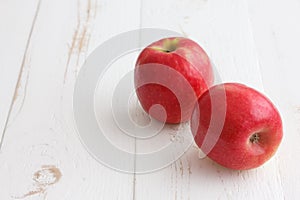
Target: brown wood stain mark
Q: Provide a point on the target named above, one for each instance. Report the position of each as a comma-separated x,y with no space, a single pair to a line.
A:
189,176
81,36
25,57
25,91
182,177
20,72
85,34
43,178
48,175
172,177
83,42
18,89
25,62
74,41
31,193
189,169
16,95
181,168
175,183
72,47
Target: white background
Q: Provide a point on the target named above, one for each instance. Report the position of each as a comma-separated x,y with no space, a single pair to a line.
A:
43,44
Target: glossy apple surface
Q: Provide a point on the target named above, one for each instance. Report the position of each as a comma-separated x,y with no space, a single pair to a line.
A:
173,73
252,128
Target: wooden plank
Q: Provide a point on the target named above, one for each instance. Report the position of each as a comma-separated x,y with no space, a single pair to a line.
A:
16,23
223,29
276,36
42,156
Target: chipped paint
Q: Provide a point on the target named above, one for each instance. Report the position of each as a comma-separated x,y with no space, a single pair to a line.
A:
43,178
31,193
48,175
82,34
19,88
16,92
175,183
181,167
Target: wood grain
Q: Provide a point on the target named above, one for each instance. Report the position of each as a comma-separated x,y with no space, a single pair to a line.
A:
42,133
229,41
43,47
278,45
17,22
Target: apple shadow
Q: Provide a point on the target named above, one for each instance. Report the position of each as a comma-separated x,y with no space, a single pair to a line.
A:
200,167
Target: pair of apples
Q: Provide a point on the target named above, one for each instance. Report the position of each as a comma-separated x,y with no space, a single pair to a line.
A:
234,125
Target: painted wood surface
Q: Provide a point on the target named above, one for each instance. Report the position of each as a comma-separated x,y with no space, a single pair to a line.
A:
44,44
223,28
17,20
277,45
41,156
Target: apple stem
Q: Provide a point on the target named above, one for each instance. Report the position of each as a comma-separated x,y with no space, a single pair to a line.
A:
170,45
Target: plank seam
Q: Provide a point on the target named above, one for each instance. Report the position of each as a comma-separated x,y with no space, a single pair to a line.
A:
250,24
20,72
135,146
261,79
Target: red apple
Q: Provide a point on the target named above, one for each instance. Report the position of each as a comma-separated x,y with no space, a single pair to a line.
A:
172,72
252,128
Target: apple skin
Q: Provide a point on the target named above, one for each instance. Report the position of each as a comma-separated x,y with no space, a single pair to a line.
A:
185,57
252,128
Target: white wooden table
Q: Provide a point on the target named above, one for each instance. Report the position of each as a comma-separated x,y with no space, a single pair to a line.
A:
43,44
